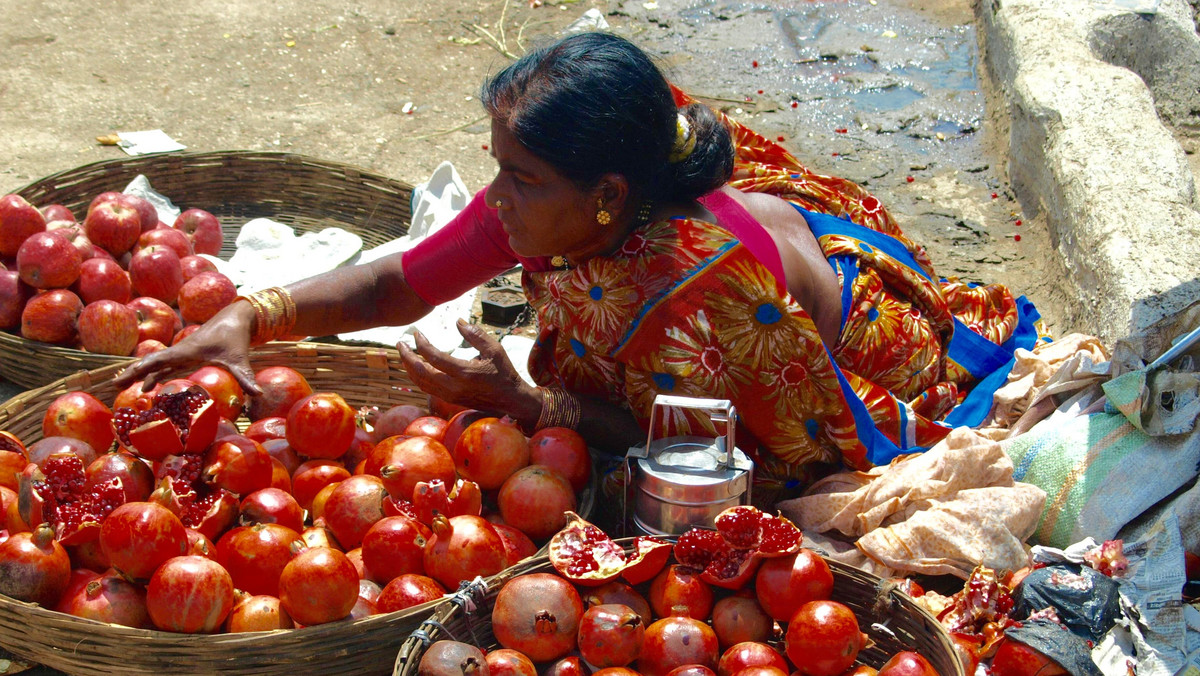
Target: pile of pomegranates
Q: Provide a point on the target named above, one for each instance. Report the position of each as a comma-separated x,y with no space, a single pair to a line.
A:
116,280
156,510
663,610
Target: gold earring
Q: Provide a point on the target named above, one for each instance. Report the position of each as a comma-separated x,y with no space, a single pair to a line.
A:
602,215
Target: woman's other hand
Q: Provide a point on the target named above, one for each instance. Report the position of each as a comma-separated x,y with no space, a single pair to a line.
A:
488,382
223,341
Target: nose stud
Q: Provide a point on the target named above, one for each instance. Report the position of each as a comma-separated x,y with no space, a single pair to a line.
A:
499,204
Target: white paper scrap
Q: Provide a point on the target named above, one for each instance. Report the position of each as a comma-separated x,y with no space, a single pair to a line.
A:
146,142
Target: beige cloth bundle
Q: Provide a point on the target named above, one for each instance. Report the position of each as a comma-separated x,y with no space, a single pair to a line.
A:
944,511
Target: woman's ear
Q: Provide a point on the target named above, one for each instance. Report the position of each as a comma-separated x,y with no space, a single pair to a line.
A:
613,191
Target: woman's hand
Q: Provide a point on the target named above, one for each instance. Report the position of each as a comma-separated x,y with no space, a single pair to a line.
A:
488,382
223,341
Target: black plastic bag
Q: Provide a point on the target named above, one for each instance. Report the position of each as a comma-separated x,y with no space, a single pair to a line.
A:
1061,645
1085,600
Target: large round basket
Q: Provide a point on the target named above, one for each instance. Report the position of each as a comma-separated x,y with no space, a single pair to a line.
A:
889,617
364,376
302,192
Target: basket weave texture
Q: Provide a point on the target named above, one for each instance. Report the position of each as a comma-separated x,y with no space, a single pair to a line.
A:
908,626
363,376
235,186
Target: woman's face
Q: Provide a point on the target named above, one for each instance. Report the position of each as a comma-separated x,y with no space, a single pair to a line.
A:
543,213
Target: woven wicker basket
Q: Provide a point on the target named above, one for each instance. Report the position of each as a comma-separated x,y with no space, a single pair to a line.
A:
363,376
235,186
908,626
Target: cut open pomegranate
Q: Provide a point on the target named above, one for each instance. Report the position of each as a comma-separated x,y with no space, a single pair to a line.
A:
584,554
729,556
58,494
649,556
181,489
177,423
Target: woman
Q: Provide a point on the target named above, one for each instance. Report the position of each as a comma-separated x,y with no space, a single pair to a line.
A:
665,249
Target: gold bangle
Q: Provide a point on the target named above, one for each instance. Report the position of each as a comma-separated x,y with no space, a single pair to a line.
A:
274,314
559,409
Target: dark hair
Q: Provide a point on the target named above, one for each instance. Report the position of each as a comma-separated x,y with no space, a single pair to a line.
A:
594,103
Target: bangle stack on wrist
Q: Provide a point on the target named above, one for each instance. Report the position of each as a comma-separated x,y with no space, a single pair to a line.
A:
274,314
559,409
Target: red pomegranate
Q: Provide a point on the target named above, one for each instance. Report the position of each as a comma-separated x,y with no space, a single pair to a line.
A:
319,585
282,386
408,590
313,475
786,583
675,641
620,593
57,494
237,464
257,613
89,555
394,546
82,416
565,451
692,670
255,556
567,666
138,537
402,462
490,450
739,618
508,662
749,654
227,395
430,426
265,429
1014,658
458,422
321,425
34,567
178,422
452,658
910,663
353,507
432,497
823,638
46,447
393,421
680,586
648,558
517,545
610,635
109,598
744,536
535,499
137,479
200,545
189,595
537,614
584,554
272,505
199,505
461,548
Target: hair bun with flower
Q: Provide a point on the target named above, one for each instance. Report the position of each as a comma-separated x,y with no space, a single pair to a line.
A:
685,140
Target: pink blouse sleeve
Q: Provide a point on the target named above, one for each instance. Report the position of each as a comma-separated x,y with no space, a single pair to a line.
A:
466,252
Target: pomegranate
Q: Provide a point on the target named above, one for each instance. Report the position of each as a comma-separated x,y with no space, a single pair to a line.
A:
358,451
392,421
34,567
319,585
355,556
649,557
1014,658
272,505
227,395
430,426
408,590
58,494
508,662
237,464
89,555
257,613
282,386
321,425
137,479
730,556
517,545
109,598
490,450
749,654
135,397
138,537
610,635
403,462
317,510
313,475
621,593
274,427
369,590
616,671
182,489
692,670
567,666
189,595
786,583
256,555
353,507
82,416
675,641
536,499
678,586
317,535
461,548
431,497
458,422
823,638
537,614
909,663
452,658
565,451
739,618
46,447
199,544
584,554
394,546
176,423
